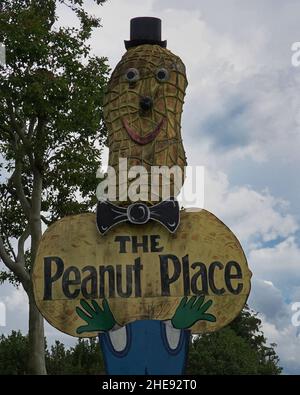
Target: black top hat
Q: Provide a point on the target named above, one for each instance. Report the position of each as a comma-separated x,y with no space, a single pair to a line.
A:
145,30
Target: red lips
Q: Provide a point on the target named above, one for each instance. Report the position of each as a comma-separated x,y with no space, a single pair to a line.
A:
145,139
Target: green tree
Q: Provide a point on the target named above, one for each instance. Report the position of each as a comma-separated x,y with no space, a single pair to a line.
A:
58,359
237,349
84,358
51,134
14,353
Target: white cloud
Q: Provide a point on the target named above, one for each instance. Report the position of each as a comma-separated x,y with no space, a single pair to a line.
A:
288,345
255,217
268,300
276,286
17,300
280,265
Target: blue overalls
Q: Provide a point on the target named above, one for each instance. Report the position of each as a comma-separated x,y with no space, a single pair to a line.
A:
147,351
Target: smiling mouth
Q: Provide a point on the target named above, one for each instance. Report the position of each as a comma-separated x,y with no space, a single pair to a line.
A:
143,140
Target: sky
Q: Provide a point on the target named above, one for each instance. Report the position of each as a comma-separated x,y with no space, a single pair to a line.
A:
241,121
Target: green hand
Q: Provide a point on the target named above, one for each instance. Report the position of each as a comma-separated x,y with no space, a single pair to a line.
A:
97,318
189,312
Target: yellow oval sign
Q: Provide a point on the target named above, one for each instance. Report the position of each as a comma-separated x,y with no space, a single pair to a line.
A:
143,271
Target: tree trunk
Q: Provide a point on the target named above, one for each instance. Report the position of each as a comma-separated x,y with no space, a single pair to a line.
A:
36,362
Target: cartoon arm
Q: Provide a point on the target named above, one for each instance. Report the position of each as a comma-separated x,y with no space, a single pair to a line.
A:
98,319
189,312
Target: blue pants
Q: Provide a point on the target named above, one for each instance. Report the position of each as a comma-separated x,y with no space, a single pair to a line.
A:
147,351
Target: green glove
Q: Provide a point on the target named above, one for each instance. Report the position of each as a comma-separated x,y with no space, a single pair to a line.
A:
97,319
189,312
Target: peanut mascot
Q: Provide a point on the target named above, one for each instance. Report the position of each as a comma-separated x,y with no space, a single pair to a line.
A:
142,110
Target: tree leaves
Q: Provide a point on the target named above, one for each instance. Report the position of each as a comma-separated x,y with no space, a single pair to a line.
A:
240,348
84,358
51,122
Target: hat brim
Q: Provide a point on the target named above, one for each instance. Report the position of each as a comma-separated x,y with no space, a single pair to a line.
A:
135,43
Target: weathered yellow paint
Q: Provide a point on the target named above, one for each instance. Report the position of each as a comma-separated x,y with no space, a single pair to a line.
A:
200,235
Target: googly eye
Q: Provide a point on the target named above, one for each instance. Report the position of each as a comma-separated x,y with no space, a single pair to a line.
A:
132,75
162,75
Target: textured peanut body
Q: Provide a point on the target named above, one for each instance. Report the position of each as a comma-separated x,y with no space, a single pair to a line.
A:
122,103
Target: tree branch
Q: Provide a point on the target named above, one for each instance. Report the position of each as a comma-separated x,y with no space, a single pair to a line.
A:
45,220
35,212
17,180
21,243
31,128
14,123
18,270
11,250
36,196
8,262
21,130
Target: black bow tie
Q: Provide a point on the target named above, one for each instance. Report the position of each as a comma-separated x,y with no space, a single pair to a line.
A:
166,213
